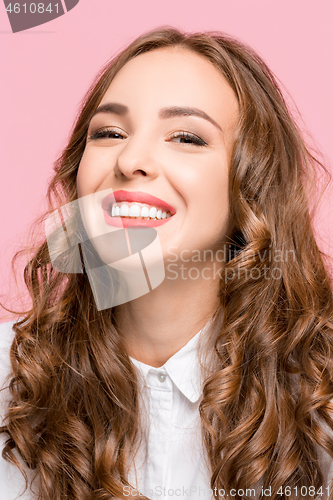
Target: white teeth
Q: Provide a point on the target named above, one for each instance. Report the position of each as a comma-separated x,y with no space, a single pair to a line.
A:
144,212
152,212
138,211
135,211
124,210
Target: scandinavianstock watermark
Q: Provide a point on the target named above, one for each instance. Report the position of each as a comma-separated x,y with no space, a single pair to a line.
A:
190,265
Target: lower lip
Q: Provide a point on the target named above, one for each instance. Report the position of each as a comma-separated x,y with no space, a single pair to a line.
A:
127,221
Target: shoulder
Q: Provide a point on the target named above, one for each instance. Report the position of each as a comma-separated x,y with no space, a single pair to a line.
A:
6,339
6,334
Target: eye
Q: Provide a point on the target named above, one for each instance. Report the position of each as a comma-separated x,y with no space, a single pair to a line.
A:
187,138
107,134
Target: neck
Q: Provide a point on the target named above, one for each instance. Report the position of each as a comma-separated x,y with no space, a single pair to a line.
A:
157,325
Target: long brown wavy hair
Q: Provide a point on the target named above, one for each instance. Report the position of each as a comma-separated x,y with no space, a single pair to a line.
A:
265,411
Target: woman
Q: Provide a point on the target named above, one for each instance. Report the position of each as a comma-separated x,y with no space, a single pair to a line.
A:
217,380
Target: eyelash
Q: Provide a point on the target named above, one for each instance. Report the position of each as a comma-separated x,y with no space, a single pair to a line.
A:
186,135
197,141
101,134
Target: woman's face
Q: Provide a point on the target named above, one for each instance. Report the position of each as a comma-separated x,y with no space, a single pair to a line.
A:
168,132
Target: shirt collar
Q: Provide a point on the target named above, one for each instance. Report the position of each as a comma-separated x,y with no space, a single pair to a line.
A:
183,368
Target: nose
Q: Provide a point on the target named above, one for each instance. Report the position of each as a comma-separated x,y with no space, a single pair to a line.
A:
136,159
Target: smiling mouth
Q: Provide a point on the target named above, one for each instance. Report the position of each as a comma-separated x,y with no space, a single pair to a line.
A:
135,210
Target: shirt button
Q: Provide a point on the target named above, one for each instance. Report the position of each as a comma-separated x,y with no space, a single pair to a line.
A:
161,377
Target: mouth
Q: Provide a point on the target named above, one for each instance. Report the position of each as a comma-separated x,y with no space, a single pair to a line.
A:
129,208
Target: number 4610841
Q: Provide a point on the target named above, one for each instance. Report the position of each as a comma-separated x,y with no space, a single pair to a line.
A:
32,8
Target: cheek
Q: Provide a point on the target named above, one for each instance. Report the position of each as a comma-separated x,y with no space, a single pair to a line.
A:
219,200
90,173
211,201
208,188
82,180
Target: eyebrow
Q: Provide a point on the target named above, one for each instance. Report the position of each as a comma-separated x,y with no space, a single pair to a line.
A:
112,107
164,113
185,111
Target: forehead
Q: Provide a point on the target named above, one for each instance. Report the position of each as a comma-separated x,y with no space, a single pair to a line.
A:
170,77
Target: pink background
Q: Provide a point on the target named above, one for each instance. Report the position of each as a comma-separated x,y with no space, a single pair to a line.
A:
48,69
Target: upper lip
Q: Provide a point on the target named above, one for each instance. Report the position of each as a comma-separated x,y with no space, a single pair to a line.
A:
139,196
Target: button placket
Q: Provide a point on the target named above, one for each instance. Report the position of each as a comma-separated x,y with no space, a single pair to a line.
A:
161,397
